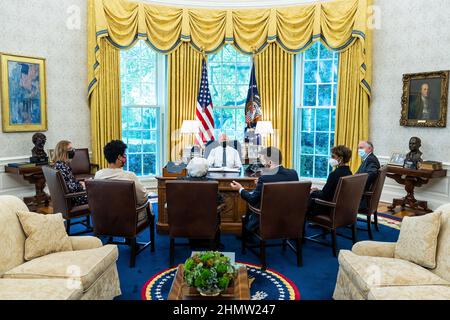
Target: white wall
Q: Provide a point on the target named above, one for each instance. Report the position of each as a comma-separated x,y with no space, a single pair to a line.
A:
39,28
414,37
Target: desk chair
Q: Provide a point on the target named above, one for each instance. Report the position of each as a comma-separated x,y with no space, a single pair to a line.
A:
62,200
115,213
192,212
343,210
372,198
81,165
281,216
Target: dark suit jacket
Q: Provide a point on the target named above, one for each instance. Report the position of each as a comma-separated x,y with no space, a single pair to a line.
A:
370,165
279,175
327,193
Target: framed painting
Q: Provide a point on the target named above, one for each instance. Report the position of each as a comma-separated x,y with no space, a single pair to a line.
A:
425,99
23,93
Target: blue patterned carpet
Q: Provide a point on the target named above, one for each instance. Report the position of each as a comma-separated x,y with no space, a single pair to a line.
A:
314,281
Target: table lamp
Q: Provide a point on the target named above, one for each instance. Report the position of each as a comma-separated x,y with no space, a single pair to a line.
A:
264,128
189,127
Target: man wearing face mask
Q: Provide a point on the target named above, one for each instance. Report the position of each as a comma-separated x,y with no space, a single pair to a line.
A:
115,155
370,163
273,172
224,155
340,156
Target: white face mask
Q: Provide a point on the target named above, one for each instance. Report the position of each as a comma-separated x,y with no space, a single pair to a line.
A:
362,153
333,162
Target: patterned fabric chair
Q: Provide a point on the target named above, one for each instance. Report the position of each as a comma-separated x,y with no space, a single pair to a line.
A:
47,277
371,272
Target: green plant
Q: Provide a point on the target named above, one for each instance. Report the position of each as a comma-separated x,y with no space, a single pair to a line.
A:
209,271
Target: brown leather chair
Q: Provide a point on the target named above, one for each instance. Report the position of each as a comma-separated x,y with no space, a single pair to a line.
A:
192,212
62,200
282,216
343,210
373,198
115,213
81,165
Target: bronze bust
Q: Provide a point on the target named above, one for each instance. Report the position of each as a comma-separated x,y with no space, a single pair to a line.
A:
415,155
38,155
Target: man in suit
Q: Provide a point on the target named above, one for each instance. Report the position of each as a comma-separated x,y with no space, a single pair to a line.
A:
274,172
224,155
369,165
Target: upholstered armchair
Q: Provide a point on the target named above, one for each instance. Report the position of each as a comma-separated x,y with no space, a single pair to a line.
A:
371,270
89,272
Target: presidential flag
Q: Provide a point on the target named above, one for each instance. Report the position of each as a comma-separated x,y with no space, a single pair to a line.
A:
253,104
204,112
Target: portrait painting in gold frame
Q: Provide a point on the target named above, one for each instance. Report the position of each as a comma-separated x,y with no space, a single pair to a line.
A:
425,99
23,93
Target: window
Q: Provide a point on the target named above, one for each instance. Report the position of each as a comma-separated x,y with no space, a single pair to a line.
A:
229,77
142,79
315,101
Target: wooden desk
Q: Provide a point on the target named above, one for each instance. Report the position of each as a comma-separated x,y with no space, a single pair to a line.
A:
240,290
411,178
234,208
33,175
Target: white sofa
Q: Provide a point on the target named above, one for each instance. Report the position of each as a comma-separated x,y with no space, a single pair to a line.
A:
87,272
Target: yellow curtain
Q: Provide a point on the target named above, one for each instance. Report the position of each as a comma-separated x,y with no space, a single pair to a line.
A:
338,24
105,102
184,81
274,76
352,117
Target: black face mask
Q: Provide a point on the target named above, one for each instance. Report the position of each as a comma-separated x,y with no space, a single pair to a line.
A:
224,144
71,154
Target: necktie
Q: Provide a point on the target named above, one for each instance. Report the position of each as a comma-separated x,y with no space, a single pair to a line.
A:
224,157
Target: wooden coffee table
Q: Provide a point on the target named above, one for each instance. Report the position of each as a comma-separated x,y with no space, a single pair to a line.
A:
239,290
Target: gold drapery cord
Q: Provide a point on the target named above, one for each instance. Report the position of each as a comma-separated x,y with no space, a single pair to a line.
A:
184,80
105,103
352,111
274,76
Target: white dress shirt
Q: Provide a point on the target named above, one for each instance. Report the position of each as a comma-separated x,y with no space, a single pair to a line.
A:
216,156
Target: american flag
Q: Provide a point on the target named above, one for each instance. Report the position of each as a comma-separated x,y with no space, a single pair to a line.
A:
204,112
253,104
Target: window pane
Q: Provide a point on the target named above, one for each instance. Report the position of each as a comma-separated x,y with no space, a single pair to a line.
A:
325,71
308,120
322,119
229,54
215,94
306,166
321,167
325,95
135,141
243,74
135,163
307,143
228,95
149,164
312,52
335,89
333,119
321,146
335,70
242,91
311,72
228,73
309,95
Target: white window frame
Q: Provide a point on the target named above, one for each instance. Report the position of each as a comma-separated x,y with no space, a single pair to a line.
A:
298,108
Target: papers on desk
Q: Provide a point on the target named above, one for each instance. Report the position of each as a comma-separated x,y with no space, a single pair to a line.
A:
224,169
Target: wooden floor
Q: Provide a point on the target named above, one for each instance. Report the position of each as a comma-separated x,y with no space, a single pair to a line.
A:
381,208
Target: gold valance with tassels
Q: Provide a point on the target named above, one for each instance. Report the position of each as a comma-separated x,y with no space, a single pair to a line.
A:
338,24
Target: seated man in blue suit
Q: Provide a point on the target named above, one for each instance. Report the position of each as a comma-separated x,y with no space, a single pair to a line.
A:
273,172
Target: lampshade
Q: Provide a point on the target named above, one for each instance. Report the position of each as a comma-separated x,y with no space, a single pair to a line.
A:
190,126
264,127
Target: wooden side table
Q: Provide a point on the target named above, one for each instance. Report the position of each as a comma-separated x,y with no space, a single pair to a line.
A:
239,291
35,176
411,179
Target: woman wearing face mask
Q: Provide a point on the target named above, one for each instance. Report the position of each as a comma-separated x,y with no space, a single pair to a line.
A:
64,153
340,156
